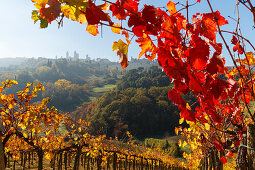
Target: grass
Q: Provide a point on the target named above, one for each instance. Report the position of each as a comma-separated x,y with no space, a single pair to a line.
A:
105,88
92,98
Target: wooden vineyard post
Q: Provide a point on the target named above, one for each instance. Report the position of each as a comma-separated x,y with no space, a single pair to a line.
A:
241,161
134,163
99,161
29,159
60,162
210,166
69,159
40,159
77,159
2,162
151,165
21,158
7,164
65,160
120,164
84,160
24,160
14,164
81,159
52,162
108,163
251,146
114,161
141,163
32,159
129,165
126,162
88,163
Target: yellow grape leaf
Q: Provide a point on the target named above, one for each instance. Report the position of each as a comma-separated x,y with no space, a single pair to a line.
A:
49,155
187,106
25,135
92,29
4,97
207,126
121,46
122,52
10,106
181,121
35,16
116,28
69,12
184,143
22,126
171,7
180,143
47,132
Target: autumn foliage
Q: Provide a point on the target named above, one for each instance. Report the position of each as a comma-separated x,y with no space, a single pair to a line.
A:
190,55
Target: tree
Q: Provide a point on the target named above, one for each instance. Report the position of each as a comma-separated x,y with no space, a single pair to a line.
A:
190,56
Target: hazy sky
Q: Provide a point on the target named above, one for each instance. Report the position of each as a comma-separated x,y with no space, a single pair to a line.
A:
20,37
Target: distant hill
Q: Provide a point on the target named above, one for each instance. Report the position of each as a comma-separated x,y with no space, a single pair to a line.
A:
69,81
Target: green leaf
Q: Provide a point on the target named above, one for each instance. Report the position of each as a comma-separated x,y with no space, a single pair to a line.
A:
44,23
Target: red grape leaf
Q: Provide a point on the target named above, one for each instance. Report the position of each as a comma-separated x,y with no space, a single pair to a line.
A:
176,98
218,146
223,160
95,14
188,115
51,12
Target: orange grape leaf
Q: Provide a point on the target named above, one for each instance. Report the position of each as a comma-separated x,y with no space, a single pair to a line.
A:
116,28
147,45
39,3
82,18
92,29
104,6
171,8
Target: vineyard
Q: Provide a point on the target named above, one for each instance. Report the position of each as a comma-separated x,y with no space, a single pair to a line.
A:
34,139
76,159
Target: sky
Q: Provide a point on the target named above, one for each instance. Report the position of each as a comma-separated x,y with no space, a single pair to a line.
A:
20,37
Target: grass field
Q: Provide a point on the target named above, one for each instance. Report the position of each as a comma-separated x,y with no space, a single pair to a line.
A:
105,88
